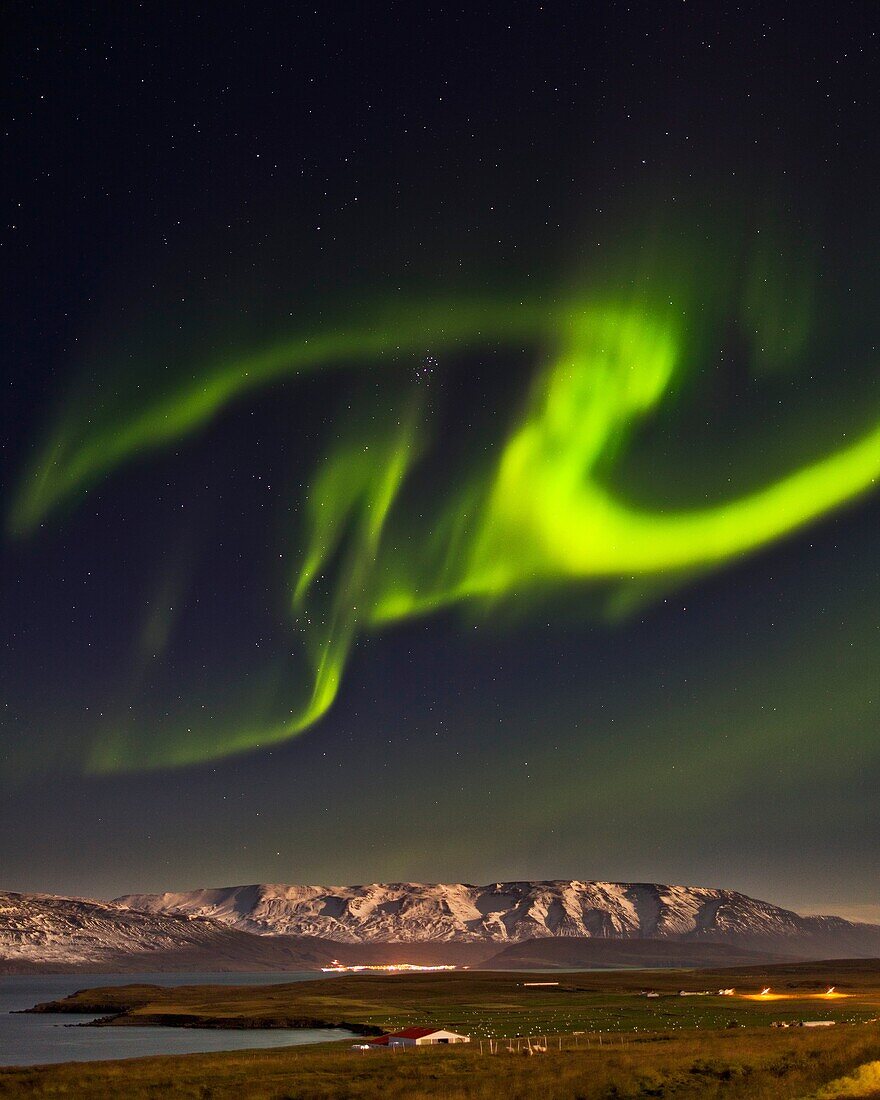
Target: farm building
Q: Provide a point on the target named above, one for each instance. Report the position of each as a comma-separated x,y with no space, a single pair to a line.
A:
419,1037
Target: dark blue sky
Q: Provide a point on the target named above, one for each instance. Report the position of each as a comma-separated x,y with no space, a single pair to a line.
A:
180,186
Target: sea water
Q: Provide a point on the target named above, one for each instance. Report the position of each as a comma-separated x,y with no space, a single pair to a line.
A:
48,1037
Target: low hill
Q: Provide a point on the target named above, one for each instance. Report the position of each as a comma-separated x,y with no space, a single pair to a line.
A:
573,953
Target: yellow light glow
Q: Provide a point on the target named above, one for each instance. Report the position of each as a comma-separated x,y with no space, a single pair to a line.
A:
766,995
385,968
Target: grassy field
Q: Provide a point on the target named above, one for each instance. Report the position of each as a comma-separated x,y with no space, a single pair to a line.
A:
486,1004
760,1065
614,1041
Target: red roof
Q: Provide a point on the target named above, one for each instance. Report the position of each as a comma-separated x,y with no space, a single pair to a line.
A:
415,1032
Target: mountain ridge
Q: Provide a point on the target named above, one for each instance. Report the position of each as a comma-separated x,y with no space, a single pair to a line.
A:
42,933
512,912
524,923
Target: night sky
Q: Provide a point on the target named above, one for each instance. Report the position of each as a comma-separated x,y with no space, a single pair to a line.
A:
441,444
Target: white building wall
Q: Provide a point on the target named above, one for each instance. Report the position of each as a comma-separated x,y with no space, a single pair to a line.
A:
436,1038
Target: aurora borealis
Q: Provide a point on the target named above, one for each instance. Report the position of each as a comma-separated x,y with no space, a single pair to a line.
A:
537,433
537,515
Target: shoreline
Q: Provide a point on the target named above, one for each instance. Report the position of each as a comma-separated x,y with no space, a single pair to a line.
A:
125,1014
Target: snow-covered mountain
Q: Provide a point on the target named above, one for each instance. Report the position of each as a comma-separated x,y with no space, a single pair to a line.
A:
304,927
513,912
43,928
40,932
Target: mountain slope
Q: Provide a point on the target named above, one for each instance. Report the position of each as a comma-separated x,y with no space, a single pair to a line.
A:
590,953
47,928
517,911
42,933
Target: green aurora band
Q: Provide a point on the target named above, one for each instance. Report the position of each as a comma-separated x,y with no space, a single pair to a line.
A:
538,515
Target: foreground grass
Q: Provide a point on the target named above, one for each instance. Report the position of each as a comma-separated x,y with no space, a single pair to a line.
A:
626,1046
758,1064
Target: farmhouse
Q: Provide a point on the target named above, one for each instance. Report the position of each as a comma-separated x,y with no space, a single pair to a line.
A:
419,1037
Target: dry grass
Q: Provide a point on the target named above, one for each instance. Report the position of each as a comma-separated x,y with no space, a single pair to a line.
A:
759,1064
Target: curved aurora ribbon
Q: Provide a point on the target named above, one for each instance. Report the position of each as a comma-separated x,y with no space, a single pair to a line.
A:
537,515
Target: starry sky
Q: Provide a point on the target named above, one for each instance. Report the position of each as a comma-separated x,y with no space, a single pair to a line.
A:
441,444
